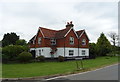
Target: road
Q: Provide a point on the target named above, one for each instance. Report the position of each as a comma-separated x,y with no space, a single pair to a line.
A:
106,73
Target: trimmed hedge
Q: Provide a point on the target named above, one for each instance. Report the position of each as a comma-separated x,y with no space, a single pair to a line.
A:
61,58
24,57
41,58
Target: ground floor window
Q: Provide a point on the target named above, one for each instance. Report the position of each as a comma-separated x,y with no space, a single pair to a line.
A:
83,52
71,52
39,52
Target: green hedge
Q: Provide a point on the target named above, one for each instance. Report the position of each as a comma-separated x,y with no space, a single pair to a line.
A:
24,57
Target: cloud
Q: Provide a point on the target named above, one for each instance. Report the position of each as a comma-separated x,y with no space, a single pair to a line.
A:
24,18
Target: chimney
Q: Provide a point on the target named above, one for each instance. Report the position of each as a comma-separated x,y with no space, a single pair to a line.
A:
69,24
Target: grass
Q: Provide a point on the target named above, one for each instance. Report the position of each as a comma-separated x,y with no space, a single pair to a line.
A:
51,68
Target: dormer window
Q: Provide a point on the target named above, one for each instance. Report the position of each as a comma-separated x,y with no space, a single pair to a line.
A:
71,40
53,41
39,40
83,42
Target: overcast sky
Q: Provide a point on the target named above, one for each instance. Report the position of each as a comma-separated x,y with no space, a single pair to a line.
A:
25,17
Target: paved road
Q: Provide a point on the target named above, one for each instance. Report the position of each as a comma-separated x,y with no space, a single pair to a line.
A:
107,73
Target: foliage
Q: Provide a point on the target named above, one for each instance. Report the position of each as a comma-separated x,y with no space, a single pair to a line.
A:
21,42
5,58
41,58
92,50
9,38
24,57
103,45
113,53
12,51
61,58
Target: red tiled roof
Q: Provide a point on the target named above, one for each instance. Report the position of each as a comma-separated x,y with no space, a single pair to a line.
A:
32,38
48,33
79,32
61,33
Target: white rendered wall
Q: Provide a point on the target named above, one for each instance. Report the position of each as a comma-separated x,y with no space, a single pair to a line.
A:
67,52
86,50
45,51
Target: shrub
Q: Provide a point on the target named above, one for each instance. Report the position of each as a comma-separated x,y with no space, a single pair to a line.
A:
24,57
41,58
114,53
5,58
12,51
61,58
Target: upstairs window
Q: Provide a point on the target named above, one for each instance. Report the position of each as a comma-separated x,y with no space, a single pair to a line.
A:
71,52
53,41
83,52
39,40
83,42
71,40
33,42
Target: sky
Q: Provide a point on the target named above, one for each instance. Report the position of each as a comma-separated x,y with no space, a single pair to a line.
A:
24,17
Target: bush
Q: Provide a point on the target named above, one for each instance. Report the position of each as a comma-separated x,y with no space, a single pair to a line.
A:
114,53
41,58
24,57
61,58
12,51
5,58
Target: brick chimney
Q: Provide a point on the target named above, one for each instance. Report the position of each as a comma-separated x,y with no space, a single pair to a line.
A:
69,24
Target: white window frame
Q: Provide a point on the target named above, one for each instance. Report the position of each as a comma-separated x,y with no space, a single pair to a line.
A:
71,40
71,52
39,40
83,41
83,52
53,41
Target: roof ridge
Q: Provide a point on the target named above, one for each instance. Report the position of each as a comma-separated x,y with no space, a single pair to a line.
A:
47,29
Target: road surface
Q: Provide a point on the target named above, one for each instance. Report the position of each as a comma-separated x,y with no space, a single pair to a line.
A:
106,73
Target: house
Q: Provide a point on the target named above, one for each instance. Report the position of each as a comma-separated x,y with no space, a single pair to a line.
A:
54,43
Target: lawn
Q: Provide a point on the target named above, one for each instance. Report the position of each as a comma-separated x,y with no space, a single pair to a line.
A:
51,68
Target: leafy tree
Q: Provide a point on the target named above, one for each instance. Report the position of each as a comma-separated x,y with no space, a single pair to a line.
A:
21,42
103,45
92,50
9,38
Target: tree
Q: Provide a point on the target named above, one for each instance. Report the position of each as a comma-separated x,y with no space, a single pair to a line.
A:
21,42
92,50
114,40
9,38
103,45
114,37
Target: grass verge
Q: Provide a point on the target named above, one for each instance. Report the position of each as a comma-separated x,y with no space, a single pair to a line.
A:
52,68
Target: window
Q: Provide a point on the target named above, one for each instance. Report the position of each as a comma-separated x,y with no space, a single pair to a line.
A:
83,42
83,52
33,42
71,52
39,40
39,52
71,40
53,41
